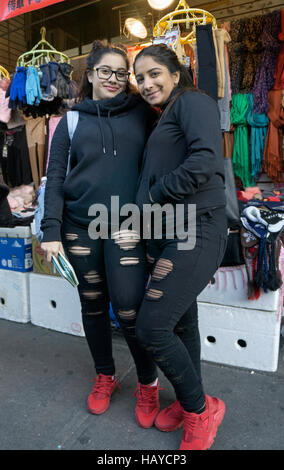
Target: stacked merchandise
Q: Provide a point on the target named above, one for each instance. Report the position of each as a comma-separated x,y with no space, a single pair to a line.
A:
31,105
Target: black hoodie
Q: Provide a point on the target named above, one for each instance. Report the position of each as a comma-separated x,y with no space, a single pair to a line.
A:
106,154
183,161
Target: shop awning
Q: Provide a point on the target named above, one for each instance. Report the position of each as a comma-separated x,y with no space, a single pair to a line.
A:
11,8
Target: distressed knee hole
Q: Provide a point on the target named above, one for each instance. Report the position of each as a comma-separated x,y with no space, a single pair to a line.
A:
80,250
162,269
127,314
126,239
128,261
71,236
154,294
179,329
91,294
100,312
150,259
92,277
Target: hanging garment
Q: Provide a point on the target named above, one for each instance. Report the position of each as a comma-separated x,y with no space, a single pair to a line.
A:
18,89
62,81
35,132
273,152
207,74
14,157
189,52
227,27
53,122
228,144
224,103
222,38
241,160
264,79
237,54
5,111
258,123
279,71
33,91
252,43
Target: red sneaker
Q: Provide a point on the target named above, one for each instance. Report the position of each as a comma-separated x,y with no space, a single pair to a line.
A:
199,431
99,398
171,418
148,405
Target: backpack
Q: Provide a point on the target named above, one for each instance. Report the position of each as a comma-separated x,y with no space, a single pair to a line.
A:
72,121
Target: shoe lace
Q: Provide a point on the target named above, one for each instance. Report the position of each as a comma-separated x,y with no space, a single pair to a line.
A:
103,386
146,395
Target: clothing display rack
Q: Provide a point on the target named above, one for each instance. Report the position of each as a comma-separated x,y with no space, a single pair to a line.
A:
4,73
41,53
190,17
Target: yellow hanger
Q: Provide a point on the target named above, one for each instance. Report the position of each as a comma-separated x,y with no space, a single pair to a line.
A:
183,14
41,53
4,72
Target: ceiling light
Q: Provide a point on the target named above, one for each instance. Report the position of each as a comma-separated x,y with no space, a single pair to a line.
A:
159,4
136,28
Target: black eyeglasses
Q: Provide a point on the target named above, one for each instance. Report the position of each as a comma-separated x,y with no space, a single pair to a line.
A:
105,73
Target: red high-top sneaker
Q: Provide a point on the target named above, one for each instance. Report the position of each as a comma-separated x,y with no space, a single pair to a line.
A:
171,418
148,405
199,430
99,398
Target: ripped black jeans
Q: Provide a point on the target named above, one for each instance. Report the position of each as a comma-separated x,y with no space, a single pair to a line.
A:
167,322
110,270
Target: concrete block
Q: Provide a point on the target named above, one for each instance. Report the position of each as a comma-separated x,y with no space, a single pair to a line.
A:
55,304
239,336
230,288
15,296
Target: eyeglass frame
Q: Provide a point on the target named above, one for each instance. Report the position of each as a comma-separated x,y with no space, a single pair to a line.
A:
111,74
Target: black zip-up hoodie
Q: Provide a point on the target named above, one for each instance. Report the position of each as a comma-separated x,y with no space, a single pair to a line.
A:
183,161
106,156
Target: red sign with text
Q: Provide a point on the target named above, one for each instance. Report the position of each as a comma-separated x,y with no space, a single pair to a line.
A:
11,8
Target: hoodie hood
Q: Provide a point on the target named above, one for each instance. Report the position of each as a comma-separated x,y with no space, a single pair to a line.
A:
108,108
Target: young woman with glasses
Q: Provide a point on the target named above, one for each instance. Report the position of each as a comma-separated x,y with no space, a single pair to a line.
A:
106,153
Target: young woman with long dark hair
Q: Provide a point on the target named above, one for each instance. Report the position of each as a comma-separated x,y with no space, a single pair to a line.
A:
106,154
182,165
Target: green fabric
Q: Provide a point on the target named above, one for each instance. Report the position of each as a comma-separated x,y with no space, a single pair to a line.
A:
241,159
258,123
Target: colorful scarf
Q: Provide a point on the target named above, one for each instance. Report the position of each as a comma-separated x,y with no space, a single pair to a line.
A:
241,160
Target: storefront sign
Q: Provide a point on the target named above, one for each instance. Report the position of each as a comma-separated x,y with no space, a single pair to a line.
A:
11,8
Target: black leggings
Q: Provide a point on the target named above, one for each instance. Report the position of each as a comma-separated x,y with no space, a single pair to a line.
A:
167,322
111,270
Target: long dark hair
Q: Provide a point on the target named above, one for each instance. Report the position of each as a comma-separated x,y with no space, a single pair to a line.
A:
99,49
167,57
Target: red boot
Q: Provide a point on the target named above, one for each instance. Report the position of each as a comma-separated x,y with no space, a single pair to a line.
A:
199,431
171,418
148,405
99,398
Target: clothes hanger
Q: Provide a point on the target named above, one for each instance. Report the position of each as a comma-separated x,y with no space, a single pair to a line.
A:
41,53
190,17
4,72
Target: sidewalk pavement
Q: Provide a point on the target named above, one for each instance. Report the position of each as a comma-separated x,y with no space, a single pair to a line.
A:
46,376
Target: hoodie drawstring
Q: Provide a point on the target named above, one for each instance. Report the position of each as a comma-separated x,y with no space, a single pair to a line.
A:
113,134
101,128
102,131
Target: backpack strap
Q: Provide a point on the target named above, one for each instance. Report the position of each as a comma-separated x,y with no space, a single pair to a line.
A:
72,121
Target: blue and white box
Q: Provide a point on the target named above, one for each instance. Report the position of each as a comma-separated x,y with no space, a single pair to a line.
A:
16,249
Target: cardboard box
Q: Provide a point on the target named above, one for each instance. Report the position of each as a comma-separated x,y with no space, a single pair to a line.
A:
40,265
16,249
